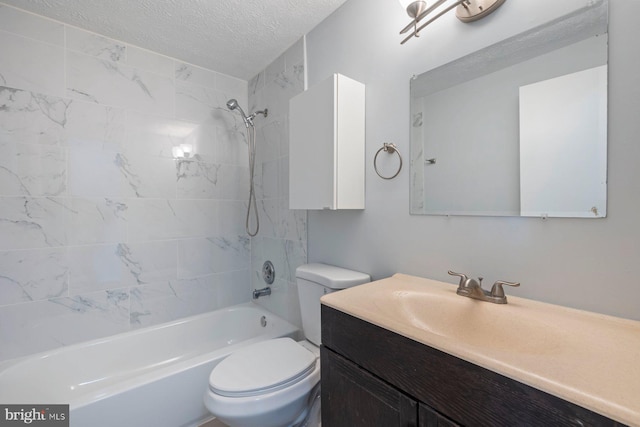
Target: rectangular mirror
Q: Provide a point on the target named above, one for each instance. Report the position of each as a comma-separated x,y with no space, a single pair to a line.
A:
518,128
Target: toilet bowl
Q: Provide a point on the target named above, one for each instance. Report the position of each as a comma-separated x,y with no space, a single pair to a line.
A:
275,383
268,384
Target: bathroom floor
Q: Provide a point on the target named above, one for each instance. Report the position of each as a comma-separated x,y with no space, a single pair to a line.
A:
217,423
213,423
312,421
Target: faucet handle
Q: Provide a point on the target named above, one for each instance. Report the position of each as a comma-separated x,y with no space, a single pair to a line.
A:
497,291
463,278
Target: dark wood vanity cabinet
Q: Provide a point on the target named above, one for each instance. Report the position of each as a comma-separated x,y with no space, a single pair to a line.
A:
358,398
428,417
374,377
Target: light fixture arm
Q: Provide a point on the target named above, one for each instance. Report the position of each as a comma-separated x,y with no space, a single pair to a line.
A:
419,17
418,29
467,11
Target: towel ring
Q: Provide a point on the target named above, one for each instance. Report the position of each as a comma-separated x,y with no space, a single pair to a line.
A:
387,148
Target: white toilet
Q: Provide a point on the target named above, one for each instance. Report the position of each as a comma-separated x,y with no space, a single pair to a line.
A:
274,383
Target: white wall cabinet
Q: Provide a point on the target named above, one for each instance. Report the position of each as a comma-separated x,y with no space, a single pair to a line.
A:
327,146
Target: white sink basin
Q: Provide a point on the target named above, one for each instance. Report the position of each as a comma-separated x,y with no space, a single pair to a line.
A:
586,358
485,326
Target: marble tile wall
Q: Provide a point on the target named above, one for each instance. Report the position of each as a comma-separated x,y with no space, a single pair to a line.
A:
102,230
283,232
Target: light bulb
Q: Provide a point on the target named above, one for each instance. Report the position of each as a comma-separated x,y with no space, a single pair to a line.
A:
187,149
177,153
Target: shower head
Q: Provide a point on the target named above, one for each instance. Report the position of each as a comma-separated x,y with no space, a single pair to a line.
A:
232,104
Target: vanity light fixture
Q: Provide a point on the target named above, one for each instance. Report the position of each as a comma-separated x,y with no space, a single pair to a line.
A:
183,151
466,11
414,10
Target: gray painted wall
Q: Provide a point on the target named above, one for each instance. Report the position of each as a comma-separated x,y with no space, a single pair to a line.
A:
589,264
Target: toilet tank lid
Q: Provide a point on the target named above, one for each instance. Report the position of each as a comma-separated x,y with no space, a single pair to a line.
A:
331,276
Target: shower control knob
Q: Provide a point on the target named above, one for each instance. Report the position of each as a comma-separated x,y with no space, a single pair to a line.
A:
268,272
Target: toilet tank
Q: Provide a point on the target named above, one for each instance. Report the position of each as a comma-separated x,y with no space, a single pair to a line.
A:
315,280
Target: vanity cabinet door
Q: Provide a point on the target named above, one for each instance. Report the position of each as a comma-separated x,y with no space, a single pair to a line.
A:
430,418
351,397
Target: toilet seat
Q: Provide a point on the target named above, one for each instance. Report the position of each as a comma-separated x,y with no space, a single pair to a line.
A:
261,368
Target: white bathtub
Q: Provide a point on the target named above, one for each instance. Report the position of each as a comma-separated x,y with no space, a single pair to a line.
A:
154,376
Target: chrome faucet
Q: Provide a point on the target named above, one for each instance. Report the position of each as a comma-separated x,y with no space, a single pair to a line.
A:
473,289
257,293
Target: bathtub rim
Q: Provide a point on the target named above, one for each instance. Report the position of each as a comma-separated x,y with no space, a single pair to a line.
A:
286,329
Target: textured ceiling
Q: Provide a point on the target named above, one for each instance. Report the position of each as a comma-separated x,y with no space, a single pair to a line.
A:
235,37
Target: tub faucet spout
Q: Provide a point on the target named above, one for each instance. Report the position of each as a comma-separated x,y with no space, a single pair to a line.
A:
257,293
